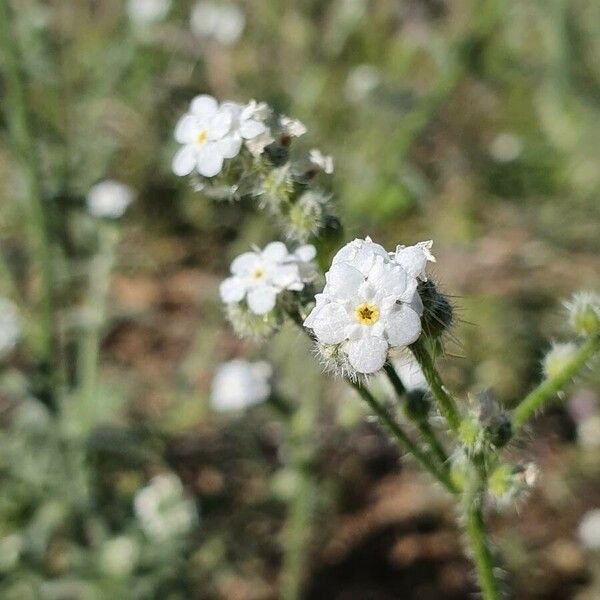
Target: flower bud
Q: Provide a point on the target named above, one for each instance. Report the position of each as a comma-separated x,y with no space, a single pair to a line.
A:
506,482
335,361
276,188
246,324
437,310
584,313
305,217
558,358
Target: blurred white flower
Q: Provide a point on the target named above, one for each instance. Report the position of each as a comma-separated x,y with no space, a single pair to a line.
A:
109,199
248,124
146,12
325,163
10,327
361,81
369,304
119,556
409,371
414,259
588,432
260,276
292,127
238,384
163,509
589,529
506,147
221,22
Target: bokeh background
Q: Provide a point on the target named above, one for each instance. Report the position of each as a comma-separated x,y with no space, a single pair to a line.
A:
473,123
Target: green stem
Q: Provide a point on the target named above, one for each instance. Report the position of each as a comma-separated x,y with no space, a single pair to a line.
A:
301,426
445,402
476,534
91,338
403,440
20,133
548,388
421,423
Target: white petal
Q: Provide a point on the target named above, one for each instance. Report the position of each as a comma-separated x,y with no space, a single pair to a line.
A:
184,161
403,326
360,254
306,253
187,129
219,125
210,160
413,259
244,263
285,276
368,354
262,299
320,303
204,106
416,303
251,128
343,281
275,252
232,289
388,279
330,323
230,146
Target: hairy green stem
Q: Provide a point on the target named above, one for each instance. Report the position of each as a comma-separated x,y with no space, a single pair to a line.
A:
402,438
445,402
548,388
19,128
421,423
476,534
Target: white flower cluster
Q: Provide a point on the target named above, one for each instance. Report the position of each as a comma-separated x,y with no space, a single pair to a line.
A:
211,132
370,302
163,509
10,327
239,384
259,276
109,199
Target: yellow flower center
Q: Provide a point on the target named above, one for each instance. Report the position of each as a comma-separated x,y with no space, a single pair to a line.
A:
201,137
366,314
258,273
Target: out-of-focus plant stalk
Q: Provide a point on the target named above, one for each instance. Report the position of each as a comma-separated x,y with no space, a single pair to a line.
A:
19,128
548,388
91,338
301,506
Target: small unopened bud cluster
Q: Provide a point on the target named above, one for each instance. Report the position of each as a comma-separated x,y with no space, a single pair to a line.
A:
558,358
584,313
509,482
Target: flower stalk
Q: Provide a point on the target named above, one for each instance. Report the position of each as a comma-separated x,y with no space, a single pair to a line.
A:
538,397
15,107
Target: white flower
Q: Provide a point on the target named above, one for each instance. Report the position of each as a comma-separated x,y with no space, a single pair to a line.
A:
221,22
146,12
163,509
414,259
119,556
292,127
320,160
10,327
260,276
506,147
207,138
589,529
210,133
369,304
409,371
239,384
109,199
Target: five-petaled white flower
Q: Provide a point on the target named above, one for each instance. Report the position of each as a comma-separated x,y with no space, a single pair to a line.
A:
260,276
325,163
238,384
109,199
369,305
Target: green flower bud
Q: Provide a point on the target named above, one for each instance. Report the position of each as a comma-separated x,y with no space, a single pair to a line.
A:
558,358
246,324
584,313
437,310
